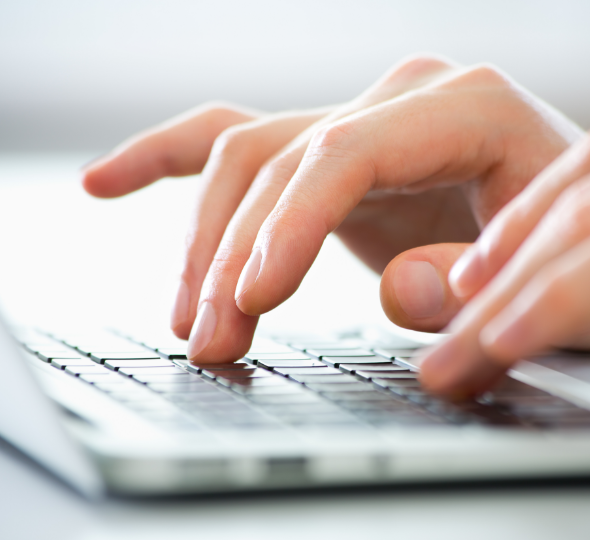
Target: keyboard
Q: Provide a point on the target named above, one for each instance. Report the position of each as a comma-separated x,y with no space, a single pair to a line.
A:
303,385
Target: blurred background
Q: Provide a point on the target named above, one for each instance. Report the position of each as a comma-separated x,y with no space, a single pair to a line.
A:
83,74
78,76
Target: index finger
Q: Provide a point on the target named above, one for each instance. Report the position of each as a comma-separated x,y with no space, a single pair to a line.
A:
178,147
406,144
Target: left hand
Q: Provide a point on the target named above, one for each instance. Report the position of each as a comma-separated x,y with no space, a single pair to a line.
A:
528,277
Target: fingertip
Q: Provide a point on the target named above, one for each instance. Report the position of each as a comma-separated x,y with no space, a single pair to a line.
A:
466,274
99,179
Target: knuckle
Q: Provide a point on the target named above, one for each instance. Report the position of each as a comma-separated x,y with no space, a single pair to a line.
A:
486,74
333,136
417,66
232,140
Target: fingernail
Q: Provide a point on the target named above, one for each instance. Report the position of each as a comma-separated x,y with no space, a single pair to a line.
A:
418,289
181,305
249,273
203,329
466,273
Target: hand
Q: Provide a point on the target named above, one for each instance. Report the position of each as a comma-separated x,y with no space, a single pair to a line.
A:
527,277
426,124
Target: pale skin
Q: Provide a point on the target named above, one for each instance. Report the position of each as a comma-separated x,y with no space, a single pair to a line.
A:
406,175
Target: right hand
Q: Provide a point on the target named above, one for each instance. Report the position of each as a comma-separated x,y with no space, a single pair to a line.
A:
490,141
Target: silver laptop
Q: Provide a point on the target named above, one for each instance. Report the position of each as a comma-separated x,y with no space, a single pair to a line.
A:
128,414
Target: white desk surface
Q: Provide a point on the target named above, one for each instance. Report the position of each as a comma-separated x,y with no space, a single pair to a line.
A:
63,259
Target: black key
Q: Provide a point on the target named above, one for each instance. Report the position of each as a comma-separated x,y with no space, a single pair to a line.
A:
323,379
271,364
49,355
337,361
86,370
321,353
293,356
319,370
102,357
117,364
173,353
393,375
60,363
394,353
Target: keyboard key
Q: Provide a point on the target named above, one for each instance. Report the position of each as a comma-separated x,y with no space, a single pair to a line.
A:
337,361
330,345
238,364
235,374
86,370
63,363
324,379
117,364
269,347
351,369
137,373
393,353
321,353
173,353
366,396
285,399
293,356
281,389
345,387
271,364
182,387
102,357
176,378
397,383
106,376
394,375
49,355
253,381
318,370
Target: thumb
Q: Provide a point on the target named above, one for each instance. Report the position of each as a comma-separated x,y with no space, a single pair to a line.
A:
415,291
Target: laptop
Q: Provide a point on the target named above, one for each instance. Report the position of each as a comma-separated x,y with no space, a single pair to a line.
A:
110,412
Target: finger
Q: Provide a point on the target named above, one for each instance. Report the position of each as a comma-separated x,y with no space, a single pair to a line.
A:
553,308
414,289
221,331
514,223
459,363
236,157
178,147
379,148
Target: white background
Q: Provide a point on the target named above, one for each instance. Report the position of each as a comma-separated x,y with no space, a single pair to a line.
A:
80,74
